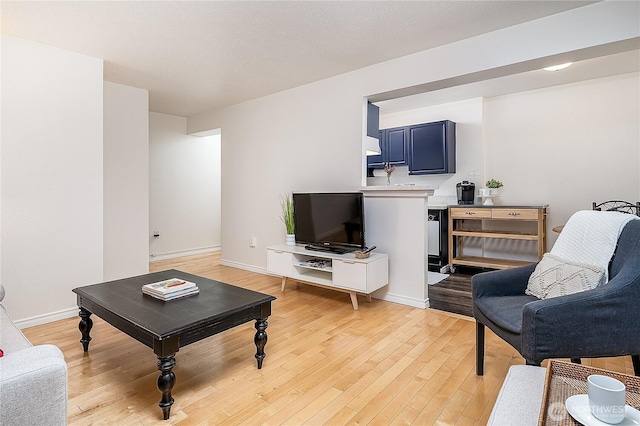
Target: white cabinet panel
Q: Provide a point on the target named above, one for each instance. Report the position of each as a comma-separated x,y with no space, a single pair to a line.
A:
350,274
279,262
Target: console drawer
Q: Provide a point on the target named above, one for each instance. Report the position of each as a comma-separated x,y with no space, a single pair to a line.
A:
515,214
470,212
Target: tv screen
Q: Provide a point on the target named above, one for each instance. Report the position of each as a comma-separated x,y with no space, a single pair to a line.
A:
329,219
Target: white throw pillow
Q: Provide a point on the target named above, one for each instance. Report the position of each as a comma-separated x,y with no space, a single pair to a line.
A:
555,277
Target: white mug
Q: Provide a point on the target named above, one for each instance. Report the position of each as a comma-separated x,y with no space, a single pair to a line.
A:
485,192
606,398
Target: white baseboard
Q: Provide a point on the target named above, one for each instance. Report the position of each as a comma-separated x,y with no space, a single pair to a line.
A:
154,257
244,266
45,318
403,300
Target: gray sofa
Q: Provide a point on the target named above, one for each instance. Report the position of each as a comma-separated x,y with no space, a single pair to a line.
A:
33,379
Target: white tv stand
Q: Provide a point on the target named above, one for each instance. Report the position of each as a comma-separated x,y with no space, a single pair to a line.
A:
341,272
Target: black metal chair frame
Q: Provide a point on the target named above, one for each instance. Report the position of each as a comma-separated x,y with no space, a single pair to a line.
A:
618,206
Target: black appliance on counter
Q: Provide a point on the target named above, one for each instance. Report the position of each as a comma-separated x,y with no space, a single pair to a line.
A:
466,192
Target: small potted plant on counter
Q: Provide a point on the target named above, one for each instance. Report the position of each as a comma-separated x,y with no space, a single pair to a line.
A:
389,168
494,185
286,203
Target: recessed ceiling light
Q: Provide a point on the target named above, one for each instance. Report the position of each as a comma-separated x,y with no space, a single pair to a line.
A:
559,67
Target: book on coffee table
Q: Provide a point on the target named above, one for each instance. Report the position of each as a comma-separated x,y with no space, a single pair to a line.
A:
175,295
170,289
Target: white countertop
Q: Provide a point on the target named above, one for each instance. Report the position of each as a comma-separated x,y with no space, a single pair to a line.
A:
398,191
400,187
411,190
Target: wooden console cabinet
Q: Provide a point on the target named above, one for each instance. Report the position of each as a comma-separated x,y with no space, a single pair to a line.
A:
342,272
468,221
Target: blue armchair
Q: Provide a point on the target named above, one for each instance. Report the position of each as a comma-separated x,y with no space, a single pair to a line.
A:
602,322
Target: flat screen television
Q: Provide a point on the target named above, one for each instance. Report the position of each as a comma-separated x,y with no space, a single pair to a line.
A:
329,221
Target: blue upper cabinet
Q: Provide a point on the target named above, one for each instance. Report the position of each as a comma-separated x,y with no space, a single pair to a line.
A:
396,141
427,148
373,120
393,148
432,148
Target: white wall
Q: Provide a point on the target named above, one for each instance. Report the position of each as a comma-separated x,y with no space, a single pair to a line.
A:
298,142
52,186
184,188
126,181
566,146
310,138
396,224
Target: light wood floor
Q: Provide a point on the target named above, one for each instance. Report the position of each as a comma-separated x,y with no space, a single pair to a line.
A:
326,365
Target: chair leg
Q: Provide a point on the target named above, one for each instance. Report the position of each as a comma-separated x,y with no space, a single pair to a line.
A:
576,360
635,360
479,348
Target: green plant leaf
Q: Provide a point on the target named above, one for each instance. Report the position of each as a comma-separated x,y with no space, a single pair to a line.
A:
493,183
286,203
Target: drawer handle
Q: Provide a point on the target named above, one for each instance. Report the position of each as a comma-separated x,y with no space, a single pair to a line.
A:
348,261
513,214
470,213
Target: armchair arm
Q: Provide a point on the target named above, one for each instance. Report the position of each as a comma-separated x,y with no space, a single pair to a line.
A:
505,282
595,323
34,387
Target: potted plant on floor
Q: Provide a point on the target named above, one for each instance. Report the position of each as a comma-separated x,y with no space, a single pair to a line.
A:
286,202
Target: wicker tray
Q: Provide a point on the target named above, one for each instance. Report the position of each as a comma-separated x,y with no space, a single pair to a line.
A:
566,379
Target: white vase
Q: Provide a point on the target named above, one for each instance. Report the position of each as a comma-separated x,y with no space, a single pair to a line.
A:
291,239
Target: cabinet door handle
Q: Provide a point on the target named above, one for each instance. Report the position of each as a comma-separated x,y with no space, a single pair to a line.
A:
348,261
278,251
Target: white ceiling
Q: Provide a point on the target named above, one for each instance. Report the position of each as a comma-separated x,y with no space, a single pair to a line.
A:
195,56
588,69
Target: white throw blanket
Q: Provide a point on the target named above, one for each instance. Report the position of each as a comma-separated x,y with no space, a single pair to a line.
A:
579,260
590,237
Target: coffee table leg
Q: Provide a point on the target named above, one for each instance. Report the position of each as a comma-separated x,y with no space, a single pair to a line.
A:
86,323
260,340
165,382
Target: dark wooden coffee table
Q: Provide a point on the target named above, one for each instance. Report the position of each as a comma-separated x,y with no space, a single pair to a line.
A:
167,326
